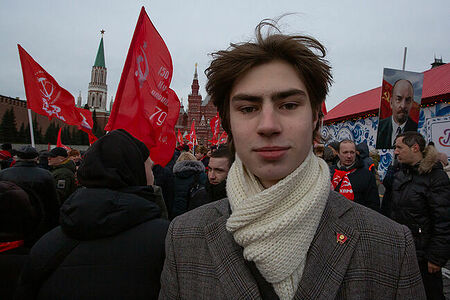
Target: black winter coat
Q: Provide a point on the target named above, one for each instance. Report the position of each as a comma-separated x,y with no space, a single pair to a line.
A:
364,185
40,182
185,173
11,263
115,250
419,197
164,178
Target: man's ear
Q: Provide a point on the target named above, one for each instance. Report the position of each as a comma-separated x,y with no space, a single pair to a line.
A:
415,148
315,118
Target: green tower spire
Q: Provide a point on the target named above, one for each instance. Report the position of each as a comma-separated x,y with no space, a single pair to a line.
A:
100,59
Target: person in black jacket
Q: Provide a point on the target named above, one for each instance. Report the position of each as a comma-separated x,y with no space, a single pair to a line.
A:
189,176
110,244
219,165
38,182
164,178
418,196
352,179
18,219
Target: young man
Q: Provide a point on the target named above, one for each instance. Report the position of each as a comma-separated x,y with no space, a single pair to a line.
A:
419,198
281,233
351,178
219,165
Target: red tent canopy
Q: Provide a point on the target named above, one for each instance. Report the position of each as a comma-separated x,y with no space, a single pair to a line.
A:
436,86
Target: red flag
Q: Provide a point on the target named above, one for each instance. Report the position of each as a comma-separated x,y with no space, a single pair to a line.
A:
59,142
145,106
223,138
87,123
324,108
215,128
44,95
179,138
192,136
386,94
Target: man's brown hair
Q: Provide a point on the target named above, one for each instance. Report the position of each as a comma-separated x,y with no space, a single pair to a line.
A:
223,152
297,50
410,138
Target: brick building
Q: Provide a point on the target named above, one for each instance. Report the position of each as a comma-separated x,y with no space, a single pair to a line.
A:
199,110
21,113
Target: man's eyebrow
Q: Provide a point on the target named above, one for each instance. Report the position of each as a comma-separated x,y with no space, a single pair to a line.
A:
246,97
275,96
288,93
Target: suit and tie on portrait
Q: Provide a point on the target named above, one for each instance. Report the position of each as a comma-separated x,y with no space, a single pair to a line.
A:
400,120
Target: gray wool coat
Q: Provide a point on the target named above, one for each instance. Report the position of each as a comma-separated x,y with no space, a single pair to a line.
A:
377,260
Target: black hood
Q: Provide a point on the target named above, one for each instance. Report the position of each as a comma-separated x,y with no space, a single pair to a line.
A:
97,213
363,149
115,161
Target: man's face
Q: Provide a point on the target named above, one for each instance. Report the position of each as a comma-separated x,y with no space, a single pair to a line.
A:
218,168
347,154
198,155
401,101
405,154
271,121
54,161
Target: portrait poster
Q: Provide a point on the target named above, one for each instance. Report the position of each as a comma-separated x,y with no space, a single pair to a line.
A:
401,95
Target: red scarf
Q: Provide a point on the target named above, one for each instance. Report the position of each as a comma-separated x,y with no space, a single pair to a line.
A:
10,245
340,180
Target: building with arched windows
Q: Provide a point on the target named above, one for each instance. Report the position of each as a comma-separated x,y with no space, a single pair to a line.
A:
200,111
98,90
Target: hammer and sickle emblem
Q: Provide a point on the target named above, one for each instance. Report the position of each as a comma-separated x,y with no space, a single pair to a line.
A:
84,123
46,93
139,59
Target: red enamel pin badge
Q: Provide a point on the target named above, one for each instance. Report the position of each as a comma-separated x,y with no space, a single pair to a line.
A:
341,238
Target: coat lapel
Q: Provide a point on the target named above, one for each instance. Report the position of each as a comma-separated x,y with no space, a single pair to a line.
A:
226,255
328,259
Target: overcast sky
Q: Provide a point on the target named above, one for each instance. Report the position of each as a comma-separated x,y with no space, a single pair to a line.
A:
362,37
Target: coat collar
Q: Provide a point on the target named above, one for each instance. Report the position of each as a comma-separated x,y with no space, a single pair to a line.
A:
326,262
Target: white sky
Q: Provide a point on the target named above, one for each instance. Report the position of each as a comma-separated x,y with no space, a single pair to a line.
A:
362,37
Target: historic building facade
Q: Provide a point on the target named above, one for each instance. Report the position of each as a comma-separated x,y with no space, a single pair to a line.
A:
199,111
98,89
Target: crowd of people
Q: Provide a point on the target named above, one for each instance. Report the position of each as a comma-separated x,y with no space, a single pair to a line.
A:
270,215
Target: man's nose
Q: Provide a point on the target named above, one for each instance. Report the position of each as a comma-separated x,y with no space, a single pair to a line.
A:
268,123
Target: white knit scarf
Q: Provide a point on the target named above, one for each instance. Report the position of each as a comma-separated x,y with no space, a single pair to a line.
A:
275,226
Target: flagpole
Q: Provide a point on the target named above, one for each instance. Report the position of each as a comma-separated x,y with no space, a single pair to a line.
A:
404,58
31,128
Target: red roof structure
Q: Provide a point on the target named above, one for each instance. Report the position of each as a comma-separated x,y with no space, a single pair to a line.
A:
436,87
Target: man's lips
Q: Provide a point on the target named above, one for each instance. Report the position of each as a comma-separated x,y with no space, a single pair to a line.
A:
271,153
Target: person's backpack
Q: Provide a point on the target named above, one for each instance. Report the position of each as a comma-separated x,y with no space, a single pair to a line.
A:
197,194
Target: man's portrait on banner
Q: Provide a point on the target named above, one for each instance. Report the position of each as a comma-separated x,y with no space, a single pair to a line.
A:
401,95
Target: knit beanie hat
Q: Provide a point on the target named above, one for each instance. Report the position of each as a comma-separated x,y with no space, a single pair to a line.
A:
114,161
